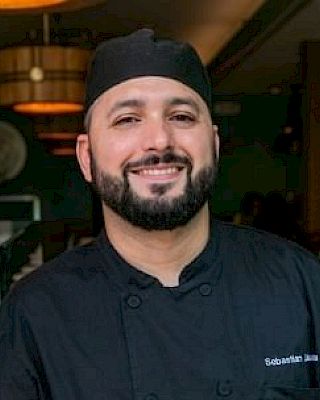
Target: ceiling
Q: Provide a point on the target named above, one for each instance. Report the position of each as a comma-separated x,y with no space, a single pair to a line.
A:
207,24
273,60
240,58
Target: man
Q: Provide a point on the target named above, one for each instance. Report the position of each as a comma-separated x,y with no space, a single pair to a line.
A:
167,303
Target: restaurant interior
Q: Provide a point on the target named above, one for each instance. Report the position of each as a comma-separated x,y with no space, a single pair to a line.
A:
263,59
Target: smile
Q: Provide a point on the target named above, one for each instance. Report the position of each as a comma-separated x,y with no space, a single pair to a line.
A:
157,171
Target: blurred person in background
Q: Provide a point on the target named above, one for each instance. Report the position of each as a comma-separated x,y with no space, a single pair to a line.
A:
277,218
251,208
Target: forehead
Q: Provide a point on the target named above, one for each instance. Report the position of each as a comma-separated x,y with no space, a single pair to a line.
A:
148,88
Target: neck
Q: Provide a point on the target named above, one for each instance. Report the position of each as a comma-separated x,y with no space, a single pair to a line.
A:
162,254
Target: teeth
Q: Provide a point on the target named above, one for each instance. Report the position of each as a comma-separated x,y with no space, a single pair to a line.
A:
157,172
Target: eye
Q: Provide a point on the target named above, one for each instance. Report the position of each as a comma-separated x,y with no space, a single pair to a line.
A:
126,120
183,117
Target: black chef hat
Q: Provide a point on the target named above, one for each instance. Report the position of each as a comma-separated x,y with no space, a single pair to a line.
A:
141,54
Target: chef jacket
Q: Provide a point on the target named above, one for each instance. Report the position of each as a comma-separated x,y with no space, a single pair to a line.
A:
243,323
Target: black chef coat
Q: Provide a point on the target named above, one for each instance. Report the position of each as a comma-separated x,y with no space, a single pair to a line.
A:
244,323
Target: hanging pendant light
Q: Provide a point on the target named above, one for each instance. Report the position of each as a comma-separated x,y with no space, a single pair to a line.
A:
58,133
43,79
12,6
23,4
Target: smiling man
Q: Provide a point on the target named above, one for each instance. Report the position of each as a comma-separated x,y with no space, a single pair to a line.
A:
167,303
156,185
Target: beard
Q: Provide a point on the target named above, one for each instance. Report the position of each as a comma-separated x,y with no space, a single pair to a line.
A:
159,212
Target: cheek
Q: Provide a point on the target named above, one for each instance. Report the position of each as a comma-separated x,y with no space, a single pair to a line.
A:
201,150
112,154
208,148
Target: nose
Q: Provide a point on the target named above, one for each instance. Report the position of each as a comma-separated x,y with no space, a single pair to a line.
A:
158,136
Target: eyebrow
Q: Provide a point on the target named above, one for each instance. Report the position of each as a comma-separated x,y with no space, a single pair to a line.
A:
137,103
126,103
177,101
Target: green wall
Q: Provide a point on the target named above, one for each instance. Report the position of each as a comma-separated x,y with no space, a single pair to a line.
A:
248,161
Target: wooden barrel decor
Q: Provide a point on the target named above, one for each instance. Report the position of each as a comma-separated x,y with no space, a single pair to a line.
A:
43,79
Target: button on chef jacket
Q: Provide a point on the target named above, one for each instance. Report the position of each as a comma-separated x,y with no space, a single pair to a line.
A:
243,323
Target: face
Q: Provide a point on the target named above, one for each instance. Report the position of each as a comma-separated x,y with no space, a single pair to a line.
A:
150,152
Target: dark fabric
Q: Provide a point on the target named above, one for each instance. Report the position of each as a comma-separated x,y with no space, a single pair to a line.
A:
242,324
141,54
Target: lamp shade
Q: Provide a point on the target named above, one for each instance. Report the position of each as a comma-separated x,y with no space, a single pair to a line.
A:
43,79
40,6
22,4
58,133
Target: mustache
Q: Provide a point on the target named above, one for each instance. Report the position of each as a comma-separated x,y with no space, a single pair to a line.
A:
155,159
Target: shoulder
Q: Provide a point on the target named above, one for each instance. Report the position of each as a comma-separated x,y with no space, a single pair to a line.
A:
247,236
260,265
260,246
69,272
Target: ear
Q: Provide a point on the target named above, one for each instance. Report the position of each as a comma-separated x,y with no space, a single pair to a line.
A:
84,156
216,142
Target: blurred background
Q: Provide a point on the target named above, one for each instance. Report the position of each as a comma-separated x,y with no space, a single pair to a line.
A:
263,59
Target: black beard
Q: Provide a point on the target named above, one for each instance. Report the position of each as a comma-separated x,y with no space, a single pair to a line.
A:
157,213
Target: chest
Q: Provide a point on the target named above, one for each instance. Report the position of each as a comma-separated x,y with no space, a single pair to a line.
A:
207,343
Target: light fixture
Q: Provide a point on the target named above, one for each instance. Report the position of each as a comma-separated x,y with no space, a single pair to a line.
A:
43,79
23,4
13,6
61,136
42,107
58,133
59,143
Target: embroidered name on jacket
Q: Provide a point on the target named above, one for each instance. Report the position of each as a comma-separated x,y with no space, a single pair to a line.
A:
292,359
